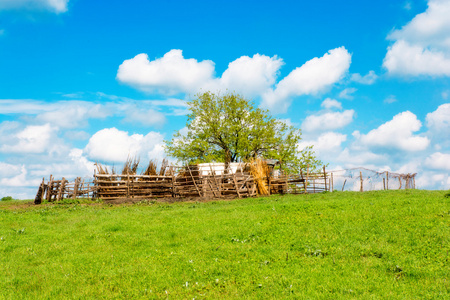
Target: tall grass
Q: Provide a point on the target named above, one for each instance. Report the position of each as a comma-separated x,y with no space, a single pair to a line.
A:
385,244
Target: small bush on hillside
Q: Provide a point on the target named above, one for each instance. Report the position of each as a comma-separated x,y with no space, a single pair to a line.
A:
7,198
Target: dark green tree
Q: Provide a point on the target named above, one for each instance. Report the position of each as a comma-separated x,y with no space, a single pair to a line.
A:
228,128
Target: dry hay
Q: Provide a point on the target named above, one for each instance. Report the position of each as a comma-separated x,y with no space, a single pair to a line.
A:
130,167
151,168
260,172
164,165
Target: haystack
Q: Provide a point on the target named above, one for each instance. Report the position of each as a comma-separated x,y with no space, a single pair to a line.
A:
260,172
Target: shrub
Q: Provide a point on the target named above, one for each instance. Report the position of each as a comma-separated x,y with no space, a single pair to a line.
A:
7,198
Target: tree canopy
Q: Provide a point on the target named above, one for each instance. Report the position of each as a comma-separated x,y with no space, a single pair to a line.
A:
229,128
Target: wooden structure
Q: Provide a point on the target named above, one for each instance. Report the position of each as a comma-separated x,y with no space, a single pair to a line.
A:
56,190
183,182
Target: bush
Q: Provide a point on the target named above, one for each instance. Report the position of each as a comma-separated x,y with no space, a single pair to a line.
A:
7,198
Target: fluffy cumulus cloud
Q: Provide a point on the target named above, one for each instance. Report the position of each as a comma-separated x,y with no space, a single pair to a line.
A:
438,121
174,74
57,6
396,134
422,47
313,77
328,121
438,161
254,76
170,74
251,75
113,145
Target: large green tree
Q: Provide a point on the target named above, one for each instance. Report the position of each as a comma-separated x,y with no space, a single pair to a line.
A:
229,128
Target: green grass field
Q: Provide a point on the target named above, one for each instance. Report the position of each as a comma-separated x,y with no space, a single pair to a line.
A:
341,245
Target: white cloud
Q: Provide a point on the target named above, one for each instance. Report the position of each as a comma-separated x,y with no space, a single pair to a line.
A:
148,117
113,145
360,158
328,121
438,121
76,114
32,139
405,59
170,74
325,143
438,161
251,75
331,103
72,114
397,134
369,78
174,74
9,169
347,93
422,47
313,77
57,6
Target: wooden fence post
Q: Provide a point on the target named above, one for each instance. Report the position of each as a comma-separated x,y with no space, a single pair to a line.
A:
361,181
331,182
307,179
387,180
50,189
61,190
75,187
325,177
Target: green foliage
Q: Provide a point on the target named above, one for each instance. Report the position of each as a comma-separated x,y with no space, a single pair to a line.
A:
7,198
230,128
342,245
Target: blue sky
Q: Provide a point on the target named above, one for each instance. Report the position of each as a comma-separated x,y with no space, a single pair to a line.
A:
85,81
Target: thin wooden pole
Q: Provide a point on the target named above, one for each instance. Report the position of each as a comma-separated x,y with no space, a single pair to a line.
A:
304,182
384,183
387,180
344,184
332,182
325,177
75,187
236,185
213,173
307,179
61,189
128,186
50,189
195,184
361,181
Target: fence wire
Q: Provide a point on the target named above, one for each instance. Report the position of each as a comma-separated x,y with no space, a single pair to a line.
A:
362,179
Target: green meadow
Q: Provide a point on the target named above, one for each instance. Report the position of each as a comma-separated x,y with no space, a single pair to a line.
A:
340,245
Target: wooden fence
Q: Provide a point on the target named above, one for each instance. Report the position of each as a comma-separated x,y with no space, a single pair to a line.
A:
185,183
55,190
111,187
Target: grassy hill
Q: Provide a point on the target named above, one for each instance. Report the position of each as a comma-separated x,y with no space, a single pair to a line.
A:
384,244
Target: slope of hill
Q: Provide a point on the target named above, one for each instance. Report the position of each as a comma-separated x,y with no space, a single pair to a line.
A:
343,244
